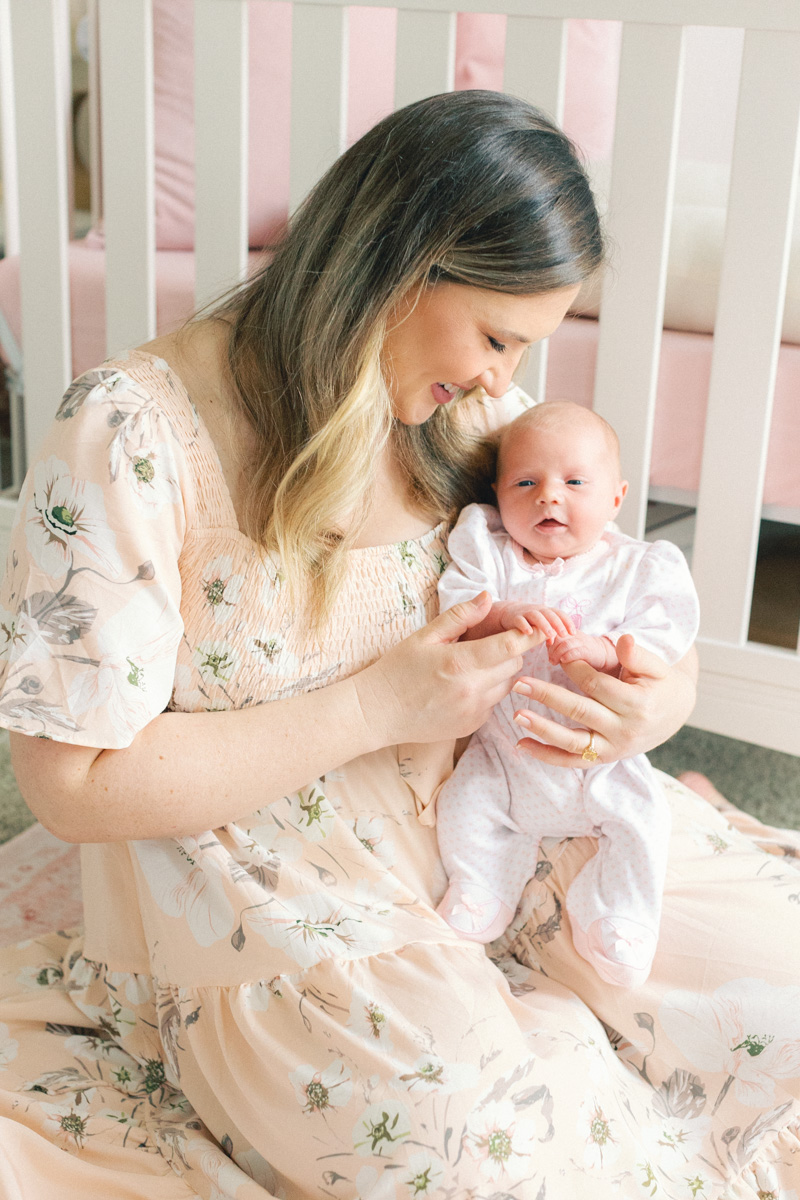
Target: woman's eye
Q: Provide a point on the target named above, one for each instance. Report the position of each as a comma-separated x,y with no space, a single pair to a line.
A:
498,346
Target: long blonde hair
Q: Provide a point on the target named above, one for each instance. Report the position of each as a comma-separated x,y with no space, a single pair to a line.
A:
472,187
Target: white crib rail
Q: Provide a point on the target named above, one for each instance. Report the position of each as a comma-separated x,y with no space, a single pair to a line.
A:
220,146
126,80
746,690
639,217
39,40
536,70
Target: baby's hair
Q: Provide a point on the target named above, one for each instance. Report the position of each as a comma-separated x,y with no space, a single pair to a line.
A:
552,413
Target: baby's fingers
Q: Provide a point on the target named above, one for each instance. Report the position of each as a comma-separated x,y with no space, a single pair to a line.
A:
560,624
566,650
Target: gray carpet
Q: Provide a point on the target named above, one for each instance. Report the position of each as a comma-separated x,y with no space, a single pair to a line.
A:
763,782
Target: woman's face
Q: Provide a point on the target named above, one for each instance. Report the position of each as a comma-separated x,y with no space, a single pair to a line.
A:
455,338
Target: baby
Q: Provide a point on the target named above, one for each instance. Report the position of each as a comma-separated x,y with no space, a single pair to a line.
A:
551,564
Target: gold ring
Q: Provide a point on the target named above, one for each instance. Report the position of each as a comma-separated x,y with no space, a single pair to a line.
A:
590,754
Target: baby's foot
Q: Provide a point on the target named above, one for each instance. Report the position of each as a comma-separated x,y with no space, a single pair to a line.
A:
474,912
621,951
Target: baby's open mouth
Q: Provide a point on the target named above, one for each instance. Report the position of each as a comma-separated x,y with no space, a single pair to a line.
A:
550,523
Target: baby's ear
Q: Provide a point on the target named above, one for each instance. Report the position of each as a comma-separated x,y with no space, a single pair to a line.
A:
494,488
620,494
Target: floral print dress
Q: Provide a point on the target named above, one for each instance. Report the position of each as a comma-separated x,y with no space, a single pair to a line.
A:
273,1008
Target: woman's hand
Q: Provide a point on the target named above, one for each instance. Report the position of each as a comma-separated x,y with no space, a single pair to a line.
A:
630,715
433,687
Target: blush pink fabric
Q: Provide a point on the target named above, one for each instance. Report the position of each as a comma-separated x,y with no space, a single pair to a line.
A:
683,379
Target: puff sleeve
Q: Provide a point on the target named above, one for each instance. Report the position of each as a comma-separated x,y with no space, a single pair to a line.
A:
475,547
90,621
662,610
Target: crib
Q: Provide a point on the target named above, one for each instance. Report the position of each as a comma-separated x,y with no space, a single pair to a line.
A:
747,690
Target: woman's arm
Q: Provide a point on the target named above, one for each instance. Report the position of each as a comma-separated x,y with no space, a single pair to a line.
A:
185,772
630,715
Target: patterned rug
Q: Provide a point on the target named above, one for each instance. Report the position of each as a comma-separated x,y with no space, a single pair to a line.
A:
40,885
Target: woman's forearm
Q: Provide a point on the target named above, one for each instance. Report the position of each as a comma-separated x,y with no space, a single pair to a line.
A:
185,772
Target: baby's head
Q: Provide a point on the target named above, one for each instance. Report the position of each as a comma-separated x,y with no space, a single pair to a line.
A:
558,479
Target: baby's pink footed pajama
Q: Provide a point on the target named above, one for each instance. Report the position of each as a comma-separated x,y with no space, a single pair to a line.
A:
493,812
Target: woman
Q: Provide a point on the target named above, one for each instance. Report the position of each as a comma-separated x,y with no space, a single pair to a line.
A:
256,510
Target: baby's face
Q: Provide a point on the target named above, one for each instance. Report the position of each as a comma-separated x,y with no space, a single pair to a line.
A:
557,488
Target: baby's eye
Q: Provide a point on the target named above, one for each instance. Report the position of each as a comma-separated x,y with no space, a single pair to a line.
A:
575,482
498,346
527,483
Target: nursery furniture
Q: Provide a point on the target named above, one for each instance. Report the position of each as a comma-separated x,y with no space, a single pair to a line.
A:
742,459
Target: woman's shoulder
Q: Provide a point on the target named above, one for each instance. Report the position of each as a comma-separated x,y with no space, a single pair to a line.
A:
486,415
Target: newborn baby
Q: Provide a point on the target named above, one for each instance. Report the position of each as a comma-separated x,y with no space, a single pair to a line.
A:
550,563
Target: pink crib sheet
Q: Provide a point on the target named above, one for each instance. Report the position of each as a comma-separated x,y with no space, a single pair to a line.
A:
682,397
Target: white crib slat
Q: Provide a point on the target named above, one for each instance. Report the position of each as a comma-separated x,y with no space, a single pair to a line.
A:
126,72
7,138
95,150
426,55
747,336
536,59
37,30
640,208
220,148
535,70
319,94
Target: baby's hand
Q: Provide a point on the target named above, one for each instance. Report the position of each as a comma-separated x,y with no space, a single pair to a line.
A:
525,617
598,652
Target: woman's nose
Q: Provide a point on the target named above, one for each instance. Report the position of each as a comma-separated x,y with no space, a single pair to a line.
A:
496,380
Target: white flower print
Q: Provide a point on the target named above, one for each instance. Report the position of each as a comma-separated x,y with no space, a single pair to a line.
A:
423,1174
257,996
598,1129
377,898
499,1140
223,1175
369,831
42,975
432,1074
271,840
767,1186
133,678
185,881
67,517
317,1091
150,474
315,926
709,839
8,1047
310,811
674,1141
66,1123
115,1019
748,1030
369,1019
381,1129
221,586
137,988
268,647
217,662
374,1185
94,387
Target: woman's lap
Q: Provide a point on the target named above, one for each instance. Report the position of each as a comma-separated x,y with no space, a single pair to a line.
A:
407,1070
714,1034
